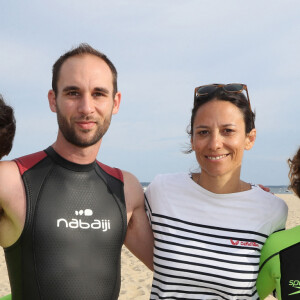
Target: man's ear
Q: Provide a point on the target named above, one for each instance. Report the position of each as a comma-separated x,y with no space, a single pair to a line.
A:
250,139
117,101
52,100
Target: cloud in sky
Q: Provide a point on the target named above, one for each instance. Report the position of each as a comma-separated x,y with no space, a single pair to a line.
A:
162,50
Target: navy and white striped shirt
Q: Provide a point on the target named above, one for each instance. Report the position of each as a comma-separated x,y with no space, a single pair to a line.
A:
207,246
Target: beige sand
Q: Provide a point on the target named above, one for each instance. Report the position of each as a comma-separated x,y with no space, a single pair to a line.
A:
136,278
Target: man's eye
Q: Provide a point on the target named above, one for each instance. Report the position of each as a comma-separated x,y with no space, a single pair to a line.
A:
99,94
72,93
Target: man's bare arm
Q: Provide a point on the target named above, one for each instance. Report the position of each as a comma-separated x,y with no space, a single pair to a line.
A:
12,203
139,236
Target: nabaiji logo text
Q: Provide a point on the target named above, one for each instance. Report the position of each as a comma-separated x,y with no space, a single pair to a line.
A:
243,243
104,225
295,284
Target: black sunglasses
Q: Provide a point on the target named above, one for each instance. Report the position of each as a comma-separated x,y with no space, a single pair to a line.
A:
205,90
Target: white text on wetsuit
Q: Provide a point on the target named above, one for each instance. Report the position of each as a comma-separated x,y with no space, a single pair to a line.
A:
78,223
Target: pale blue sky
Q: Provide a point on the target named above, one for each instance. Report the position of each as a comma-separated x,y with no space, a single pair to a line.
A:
162,50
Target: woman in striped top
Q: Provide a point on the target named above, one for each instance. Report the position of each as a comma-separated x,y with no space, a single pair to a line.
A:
209,227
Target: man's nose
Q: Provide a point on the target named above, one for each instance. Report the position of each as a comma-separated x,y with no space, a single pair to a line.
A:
86,105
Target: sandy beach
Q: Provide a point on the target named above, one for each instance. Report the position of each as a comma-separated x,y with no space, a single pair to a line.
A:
136,278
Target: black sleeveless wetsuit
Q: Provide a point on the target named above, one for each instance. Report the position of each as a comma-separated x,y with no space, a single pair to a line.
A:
75,227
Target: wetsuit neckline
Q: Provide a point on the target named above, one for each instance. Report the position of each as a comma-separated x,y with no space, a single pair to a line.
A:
68,164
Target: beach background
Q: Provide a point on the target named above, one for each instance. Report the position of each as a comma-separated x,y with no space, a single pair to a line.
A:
136,278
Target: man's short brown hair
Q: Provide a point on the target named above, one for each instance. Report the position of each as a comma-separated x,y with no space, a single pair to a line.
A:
81,50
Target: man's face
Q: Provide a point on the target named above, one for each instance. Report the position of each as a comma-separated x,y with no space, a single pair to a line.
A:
84,102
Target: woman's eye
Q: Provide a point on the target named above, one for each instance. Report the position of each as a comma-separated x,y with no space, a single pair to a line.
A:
228,131
203,132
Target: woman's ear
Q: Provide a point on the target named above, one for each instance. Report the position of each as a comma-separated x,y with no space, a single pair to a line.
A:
250,139
192,144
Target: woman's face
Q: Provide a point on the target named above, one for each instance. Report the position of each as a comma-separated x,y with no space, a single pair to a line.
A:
219,138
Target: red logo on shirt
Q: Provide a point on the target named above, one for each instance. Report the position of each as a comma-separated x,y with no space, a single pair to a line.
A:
234,243
244,243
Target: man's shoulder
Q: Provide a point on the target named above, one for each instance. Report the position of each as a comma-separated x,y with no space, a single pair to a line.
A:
11,171
7,168
130,179
114,172
10,182
26,162
133,190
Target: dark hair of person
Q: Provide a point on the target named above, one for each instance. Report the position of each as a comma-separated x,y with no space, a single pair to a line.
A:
294,173
7,127
237,99
82,49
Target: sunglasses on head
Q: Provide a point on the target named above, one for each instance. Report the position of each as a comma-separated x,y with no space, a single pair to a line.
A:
205,90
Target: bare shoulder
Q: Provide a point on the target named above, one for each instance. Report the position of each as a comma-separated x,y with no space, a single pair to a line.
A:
9,164
9,172
130,180
10,180
12,203
134,195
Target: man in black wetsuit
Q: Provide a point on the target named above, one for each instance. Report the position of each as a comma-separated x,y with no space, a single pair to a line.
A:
64,215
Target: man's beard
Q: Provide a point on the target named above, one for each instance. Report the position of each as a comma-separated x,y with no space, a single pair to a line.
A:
75,139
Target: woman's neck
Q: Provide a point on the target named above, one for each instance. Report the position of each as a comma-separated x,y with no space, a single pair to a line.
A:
221,184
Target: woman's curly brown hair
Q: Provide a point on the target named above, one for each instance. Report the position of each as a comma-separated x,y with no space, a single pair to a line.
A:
7,128
294,173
